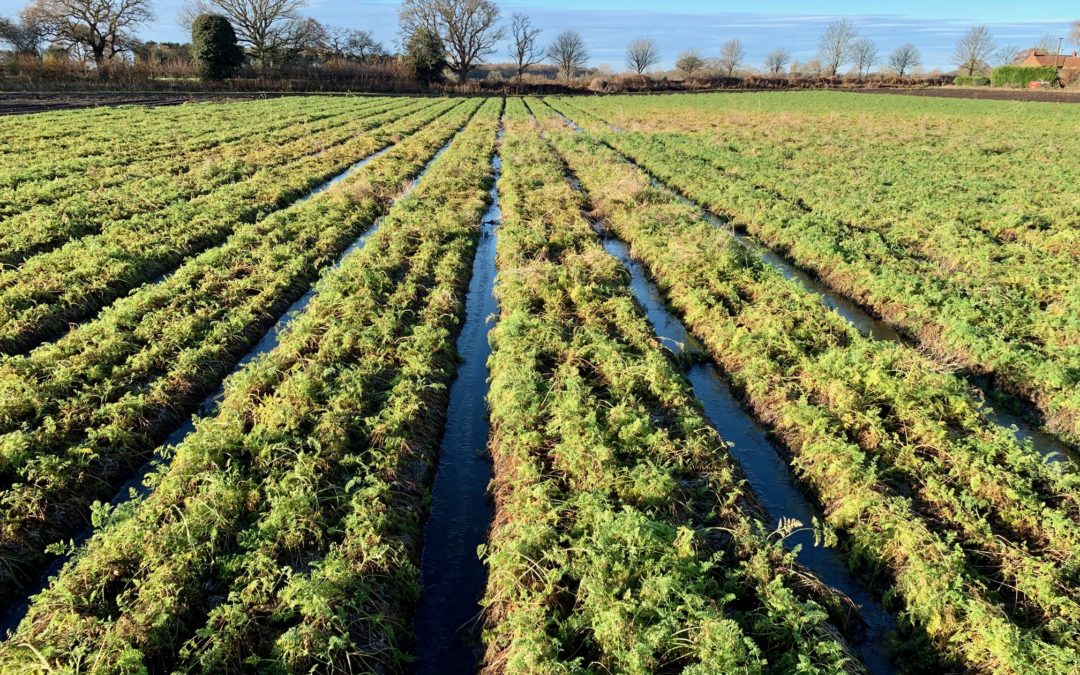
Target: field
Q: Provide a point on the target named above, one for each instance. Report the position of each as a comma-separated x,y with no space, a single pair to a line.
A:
778,382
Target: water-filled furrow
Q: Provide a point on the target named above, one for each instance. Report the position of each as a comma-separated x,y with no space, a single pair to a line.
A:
452,573
1048,446
870,326
135,486
760,461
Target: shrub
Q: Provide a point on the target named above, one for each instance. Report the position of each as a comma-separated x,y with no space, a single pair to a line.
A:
1020,76
972,81
214,48
426,56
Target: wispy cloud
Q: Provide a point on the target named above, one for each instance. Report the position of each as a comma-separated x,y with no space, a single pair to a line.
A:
607,31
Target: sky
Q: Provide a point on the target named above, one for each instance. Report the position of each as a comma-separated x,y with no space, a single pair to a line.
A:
608,25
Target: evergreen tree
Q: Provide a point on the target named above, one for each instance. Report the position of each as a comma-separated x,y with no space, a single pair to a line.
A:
214,47
426,56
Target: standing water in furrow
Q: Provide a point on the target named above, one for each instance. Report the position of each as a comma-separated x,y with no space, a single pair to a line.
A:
135,486
1048,446
766,471
453,575
770,479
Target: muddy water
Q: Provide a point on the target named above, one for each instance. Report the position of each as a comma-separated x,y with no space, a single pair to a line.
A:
134,487
453,575
761,463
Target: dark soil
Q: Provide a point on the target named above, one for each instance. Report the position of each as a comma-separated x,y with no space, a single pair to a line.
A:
1043,95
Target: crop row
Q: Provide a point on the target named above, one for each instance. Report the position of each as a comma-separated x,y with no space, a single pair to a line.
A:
991,167
41,297
128,134
91,208
282,536
992,306
207,149
623,539
975,535
79,415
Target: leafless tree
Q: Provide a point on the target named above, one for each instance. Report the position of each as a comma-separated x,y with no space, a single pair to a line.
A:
100,28
834,49
905,59
306,37
468,28
568,53
731,57
642,54
1075,34
864,53
690,62
362,45
777,61
267,28
23,36
1047,44
347,43
1007,55
973,50
524,46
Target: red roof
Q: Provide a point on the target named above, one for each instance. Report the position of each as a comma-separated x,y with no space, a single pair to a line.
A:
1064,61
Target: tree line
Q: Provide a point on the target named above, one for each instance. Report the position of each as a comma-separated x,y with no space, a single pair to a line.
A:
438,37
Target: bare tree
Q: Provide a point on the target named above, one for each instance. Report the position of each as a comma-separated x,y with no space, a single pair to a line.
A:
690,62
973,50
1007,55
306,37
100,28
777,61
1074,35
267,27
731,57
642,54
905,59
524,46
864,53
23,36
346,43
568,53
834,49
362,45
1047,44
467,28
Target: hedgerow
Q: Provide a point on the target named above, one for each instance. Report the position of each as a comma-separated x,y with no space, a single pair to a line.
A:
1021,76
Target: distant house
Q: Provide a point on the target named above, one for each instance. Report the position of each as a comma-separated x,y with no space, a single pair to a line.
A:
1067,64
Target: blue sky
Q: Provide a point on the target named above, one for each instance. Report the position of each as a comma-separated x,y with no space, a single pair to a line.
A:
608,25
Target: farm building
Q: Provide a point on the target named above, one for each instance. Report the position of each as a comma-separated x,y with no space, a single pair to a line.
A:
1067,64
